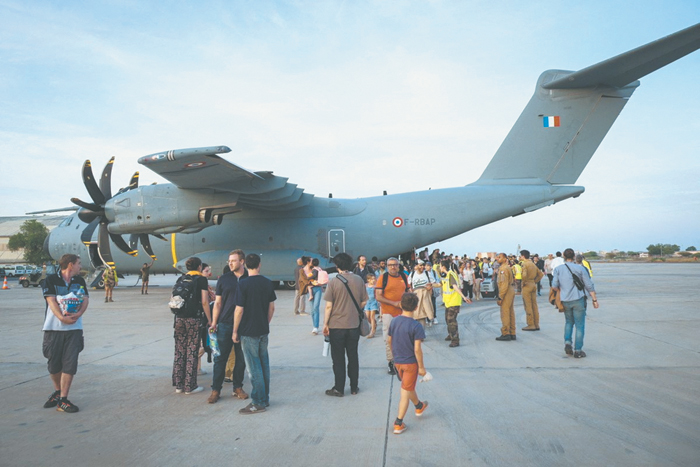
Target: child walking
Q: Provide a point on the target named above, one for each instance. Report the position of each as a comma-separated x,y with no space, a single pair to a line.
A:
405,338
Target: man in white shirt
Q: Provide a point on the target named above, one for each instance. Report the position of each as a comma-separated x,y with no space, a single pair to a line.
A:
422,283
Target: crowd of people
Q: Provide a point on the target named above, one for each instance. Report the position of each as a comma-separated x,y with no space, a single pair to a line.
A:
400,295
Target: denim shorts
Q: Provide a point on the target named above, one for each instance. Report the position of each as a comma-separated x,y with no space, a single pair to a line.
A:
61,348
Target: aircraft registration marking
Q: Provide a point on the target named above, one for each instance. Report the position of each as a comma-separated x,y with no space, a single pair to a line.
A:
400,222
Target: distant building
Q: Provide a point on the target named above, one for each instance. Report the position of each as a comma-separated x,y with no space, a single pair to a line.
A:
10,226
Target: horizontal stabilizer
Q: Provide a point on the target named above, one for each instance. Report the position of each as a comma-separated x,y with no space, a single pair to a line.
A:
630,66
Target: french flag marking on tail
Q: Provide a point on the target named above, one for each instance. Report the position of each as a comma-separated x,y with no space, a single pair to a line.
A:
551,122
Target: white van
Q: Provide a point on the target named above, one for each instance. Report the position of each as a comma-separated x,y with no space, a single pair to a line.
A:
9,270
21,270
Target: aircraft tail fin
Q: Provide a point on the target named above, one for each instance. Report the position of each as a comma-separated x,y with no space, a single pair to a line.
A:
571,112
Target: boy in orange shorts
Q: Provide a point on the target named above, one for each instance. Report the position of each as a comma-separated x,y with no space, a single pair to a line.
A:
405,338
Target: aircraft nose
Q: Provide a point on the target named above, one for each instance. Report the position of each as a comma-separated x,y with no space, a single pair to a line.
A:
47,243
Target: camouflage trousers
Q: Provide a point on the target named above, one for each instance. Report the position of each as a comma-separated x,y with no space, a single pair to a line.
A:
451,321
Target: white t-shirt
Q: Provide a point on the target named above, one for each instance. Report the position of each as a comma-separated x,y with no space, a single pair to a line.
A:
558,261
416,281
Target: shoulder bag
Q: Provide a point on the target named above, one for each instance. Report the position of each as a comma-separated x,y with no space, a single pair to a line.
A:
364,326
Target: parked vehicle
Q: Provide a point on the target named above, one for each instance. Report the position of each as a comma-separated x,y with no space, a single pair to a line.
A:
9,270
35,277
488,288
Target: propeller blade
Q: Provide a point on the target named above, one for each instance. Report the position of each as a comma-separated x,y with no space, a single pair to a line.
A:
121,244
134,183
106,180
146,243
103,248
91,184
88,206
86,236
134,241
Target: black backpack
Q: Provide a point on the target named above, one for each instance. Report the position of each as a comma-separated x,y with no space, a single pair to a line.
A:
183,300
385,280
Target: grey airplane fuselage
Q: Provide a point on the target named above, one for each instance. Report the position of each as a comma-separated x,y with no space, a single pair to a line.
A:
379,226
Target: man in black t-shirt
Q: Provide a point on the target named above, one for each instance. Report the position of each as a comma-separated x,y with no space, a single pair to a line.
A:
222,323
255,305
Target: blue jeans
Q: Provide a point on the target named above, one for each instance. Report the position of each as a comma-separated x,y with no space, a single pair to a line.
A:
257,362
316,304
575,313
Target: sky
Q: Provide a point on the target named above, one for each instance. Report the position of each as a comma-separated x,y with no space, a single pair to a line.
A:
349,98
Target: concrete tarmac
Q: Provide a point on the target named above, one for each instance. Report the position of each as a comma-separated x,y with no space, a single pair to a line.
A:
634,401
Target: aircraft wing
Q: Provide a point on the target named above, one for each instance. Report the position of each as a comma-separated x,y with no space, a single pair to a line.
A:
203,169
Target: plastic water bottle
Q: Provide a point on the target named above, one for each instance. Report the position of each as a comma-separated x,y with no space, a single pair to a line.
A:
326,345
214,344
80,294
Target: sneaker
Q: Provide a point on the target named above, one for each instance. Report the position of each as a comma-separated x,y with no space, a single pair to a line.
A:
228,380
240,393
334,392
214,397
568,350
251,409
435,321
579,354
314,331
303,313
420,411
454,344
398,429
53,400
178,391
195,390
504,337
64,405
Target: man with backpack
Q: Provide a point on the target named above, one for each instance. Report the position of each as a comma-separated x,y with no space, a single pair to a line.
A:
189,302
389,289
422,283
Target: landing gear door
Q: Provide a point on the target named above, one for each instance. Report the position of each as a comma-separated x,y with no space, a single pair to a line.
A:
336,242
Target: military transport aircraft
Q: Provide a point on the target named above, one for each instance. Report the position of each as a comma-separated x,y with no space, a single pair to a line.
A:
212,205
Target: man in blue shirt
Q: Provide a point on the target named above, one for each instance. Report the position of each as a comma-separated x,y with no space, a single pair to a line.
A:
574,300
